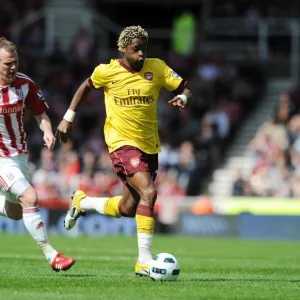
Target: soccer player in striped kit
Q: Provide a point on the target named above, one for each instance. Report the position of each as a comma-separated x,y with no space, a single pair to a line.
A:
131,86
17,93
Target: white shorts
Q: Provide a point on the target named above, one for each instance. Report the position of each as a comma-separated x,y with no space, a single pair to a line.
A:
13,169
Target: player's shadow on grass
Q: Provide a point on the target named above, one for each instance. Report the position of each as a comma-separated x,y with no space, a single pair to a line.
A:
236,279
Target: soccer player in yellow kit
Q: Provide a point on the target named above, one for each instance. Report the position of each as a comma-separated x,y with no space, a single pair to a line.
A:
131,87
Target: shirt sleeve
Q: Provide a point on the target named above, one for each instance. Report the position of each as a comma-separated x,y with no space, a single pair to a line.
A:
35,100
170,79
98,77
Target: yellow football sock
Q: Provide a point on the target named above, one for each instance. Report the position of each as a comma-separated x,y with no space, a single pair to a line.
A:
111,207
144,224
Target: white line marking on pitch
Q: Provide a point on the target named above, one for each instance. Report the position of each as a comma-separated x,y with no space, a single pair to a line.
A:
93,258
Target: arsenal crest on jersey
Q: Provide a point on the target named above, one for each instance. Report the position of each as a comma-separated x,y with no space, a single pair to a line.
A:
148,75
135,161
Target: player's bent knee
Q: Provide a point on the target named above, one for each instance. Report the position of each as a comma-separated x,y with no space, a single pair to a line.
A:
29,197
24,192
149,195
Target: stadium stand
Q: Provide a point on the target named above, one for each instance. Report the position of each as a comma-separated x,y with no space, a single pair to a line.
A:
193,143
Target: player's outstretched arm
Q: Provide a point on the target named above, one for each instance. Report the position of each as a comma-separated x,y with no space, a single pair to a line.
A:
181,100
45,125
65,126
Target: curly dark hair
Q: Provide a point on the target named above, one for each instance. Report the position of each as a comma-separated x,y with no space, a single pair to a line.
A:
129,33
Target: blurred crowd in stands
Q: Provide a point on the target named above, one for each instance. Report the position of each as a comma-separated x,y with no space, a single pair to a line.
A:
275,171
254,10
193,142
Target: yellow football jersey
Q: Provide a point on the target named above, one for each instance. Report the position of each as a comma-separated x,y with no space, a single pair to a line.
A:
131,102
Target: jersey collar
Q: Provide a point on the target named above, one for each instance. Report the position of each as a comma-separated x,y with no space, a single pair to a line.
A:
125,67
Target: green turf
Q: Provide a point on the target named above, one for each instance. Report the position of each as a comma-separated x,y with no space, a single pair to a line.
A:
210,269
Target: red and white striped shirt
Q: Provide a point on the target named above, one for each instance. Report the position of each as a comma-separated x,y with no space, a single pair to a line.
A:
14,98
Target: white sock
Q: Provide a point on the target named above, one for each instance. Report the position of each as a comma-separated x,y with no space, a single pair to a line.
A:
2,206
35,226
144,244
93,204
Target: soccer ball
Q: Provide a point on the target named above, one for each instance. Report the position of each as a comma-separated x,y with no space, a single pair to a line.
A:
164,267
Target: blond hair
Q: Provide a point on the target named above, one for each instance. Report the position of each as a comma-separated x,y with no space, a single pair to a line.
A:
7,45
129,33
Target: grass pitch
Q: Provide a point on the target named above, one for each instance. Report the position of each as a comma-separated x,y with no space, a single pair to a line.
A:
104,269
